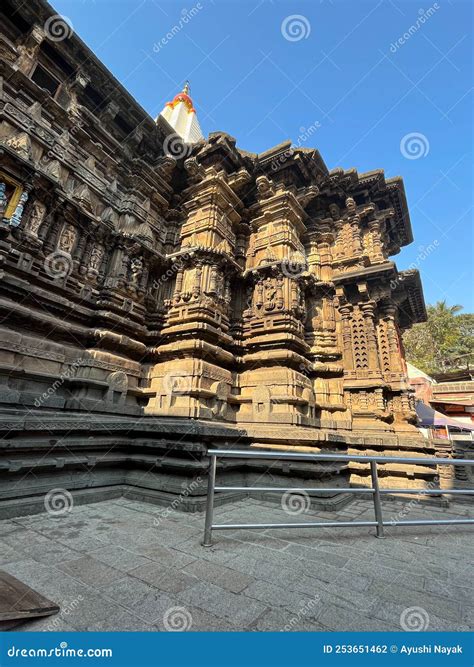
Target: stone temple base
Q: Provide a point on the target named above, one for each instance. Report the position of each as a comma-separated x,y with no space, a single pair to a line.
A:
164,460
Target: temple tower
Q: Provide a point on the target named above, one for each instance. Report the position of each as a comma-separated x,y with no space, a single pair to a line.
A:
181,115
155,302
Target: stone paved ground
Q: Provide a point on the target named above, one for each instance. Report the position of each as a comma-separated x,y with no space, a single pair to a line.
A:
126,565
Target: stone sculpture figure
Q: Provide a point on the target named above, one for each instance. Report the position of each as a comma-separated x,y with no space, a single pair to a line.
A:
36,218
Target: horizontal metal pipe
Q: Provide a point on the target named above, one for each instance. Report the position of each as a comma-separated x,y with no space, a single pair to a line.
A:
331,524
247,489
252,454
317,490
247,454
429,492
341,524
428,522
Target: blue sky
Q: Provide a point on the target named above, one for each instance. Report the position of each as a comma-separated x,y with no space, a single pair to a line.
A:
269,70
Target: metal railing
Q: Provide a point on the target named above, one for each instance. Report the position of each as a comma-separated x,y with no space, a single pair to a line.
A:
374,490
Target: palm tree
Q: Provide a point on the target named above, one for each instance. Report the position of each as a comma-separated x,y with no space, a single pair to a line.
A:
442,308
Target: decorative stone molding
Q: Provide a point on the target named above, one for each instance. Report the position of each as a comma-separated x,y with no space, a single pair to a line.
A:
249,291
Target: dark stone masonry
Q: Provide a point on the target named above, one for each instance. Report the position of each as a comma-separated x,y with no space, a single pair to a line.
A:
157,302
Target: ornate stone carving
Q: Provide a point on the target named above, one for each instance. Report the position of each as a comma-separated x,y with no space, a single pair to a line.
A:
35,220
67,239
21,143
136,271
251,281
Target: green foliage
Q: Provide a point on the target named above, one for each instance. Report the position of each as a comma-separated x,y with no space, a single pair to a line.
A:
444,343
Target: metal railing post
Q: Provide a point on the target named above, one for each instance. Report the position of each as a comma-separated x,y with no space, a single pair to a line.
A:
375,490
377,502
211,482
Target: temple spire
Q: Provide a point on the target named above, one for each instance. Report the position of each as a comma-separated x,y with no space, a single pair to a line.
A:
181,115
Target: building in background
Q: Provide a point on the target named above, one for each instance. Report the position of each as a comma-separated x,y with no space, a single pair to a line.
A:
453,394
444,406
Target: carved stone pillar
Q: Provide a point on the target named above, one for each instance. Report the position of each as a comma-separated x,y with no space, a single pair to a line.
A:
347,347
197,280
178,285
368,310
374,228
78,253
356,239
325,239
227,291
50,235
313,258
384,346
338,241
213,279
279,298
389,314
115,268
329,314
85,256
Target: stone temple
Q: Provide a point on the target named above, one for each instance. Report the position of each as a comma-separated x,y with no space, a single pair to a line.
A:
163,293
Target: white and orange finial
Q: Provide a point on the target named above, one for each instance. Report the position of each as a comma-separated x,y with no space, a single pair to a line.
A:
181,115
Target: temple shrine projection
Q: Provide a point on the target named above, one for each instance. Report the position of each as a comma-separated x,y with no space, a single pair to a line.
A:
162,292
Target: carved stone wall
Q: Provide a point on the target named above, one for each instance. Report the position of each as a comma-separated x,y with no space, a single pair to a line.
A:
253,291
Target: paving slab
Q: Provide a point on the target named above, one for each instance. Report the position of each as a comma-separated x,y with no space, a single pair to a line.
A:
118,557
400,616
127,565
237,609
220,575
337,618
167,557
194,620
90,571
144,601
317,554
280,596
280,619
122,621
168,579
